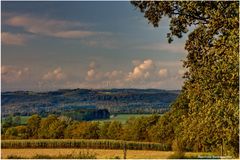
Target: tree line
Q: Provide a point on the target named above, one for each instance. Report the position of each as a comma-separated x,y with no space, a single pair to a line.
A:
59,127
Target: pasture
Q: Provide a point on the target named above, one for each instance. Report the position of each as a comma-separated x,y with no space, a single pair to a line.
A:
124,117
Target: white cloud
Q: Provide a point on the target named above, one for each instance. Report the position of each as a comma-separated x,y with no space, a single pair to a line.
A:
141,70
13,39
91,73
74,34
51,27
163,72
10,74
54,75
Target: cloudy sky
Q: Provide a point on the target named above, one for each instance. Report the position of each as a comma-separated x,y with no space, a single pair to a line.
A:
53,45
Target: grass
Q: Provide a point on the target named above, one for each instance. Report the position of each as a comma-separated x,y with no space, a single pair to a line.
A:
119,117
99,153
124,117
23,119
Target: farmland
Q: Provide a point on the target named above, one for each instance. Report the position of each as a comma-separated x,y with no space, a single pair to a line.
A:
23,119
83,143
118,117
100,153
124,117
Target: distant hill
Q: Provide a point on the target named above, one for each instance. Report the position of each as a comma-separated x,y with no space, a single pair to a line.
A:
115,100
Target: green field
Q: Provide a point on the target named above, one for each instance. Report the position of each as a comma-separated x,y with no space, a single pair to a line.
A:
23,119
124,117
118,117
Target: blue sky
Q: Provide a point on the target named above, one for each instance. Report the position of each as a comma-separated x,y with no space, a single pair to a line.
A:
53,45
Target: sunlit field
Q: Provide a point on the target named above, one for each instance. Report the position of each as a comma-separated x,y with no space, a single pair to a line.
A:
100,153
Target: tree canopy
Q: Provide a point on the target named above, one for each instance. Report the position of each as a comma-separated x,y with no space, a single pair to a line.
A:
210,94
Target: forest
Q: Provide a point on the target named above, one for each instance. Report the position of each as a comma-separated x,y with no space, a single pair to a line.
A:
27,103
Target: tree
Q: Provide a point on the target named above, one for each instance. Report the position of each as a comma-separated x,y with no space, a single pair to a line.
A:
22,132
11,133
211,83
43,131
104,130
33,123
8,122
86,130
115,130
58,127
136,129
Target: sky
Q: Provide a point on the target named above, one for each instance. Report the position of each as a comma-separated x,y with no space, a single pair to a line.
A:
57,45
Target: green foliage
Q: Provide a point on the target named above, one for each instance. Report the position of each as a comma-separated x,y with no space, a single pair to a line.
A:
115,130
136,129
6,123
57,127
43,131
33,124
209,102
104,130
11,132
22,132
85,130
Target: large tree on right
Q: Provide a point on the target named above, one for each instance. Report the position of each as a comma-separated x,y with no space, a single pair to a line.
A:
209,102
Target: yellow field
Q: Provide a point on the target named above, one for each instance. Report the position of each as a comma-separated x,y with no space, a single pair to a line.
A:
100,153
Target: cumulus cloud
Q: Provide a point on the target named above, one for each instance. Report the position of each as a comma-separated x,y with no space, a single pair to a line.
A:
50,27
12,74
13,39
141,70
163,72
55,75
93,74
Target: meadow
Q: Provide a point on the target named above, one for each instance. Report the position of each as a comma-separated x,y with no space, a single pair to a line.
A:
118,117
23,119
124,117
